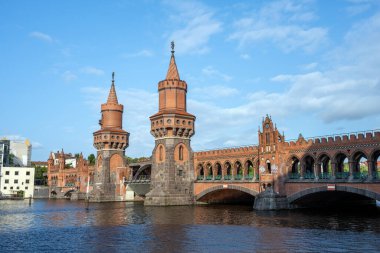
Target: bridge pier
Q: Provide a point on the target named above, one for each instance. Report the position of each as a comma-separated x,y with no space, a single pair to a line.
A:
270,200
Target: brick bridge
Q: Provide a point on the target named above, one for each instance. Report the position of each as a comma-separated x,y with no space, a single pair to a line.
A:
328,168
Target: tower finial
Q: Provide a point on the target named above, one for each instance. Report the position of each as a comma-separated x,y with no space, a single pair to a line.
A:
172,46
113,77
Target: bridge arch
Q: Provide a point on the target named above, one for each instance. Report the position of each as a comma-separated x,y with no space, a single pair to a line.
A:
215,193
145,170
68,193
323,189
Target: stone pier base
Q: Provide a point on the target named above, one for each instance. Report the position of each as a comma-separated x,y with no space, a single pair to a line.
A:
163,199
269,200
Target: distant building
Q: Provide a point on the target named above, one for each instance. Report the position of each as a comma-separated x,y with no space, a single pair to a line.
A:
4,152
22,151
17,179
41,164
67,174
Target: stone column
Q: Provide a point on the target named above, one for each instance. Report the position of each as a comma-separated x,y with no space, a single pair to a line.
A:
351,165
370,170
333,170
317,170
302,170
256,173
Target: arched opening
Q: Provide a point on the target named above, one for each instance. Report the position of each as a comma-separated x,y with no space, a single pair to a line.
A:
269,169
360,165
221,195
308,162
218,171
180,153
201,174
53,194
239,171
209,174
68,194
342,166
295,171
228,171
249,170
325,170
376,164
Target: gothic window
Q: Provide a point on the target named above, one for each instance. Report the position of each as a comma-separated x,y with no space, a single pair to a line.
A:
267,137
180,155
160,153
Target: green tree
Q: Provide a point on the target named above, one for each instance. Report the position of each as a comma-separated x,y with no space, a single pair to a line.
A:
91,159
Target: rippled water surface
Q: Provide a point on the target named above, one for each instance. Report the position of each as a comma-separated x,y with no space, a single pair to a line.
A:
50,225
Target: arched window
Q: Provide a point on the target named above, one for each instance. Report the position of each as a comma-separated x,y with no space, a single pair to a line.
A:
180,153
160,153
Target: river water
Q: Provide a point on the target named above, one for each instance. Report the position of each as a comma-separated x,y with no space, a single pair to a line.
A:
65,226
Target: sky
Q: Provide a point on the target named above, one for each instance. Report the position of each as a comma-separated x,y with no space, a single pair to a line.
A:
314,66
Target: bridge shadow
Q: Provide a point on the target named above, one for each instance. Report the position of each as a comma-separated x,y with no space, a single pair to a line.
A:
227,196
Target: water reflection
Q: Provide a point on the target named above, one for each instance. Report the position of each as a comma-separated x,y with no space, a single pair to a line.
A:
65,225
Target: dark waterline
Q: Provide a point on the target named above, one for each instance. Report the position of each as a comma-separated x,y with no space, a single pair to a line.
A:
64,226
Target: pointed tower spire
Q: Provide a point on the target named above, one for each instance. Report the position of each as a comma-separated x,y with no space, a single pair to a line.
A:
112,97
172,71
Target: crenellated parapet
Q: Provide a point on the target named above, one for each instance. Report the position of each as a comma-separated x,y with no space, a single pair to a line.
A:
246,151
337,141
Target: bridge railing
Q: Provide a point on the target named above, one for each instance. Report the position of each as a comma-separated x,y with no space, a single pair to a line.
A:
140,179
238,177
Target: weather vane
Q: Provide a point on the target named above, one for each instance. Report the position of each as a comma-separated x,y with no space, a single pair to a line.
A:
172,46
113,76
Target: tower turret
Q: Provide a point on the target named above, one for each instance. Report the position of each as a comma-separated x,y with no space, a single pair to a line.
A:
110,141
172,127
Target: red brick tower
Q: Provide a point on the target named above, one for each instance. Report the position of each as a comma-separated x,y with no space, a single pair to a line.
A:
172,127
270,162
110,141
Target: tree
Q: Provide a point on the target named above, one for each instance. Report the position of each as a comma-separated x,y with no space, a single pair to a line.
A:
91,159
77,155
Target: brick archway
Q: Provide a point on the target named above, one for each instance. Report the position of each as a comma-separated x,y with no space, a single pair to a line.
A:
230,187
363,192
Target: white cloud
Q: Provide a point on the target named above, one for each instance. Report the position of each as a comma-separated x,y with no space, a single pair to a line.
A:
69,76
210,71
197,25
142,53
41,36
284,23
92,71
215,91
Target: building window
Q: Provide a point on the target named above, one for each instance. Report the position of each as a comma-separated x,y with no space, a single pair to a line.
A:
5,187
26,187
17,188
7,173
180,155
16,173
7,181
267,138
27,181
11,188
16,181
28,173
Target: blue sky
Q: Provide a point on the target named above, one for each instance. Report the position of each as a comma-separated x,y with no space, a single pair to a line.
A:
312,65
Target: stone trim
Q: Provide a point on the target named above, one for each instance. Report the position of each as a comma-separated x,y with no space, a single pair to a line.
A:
230,187
359,191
